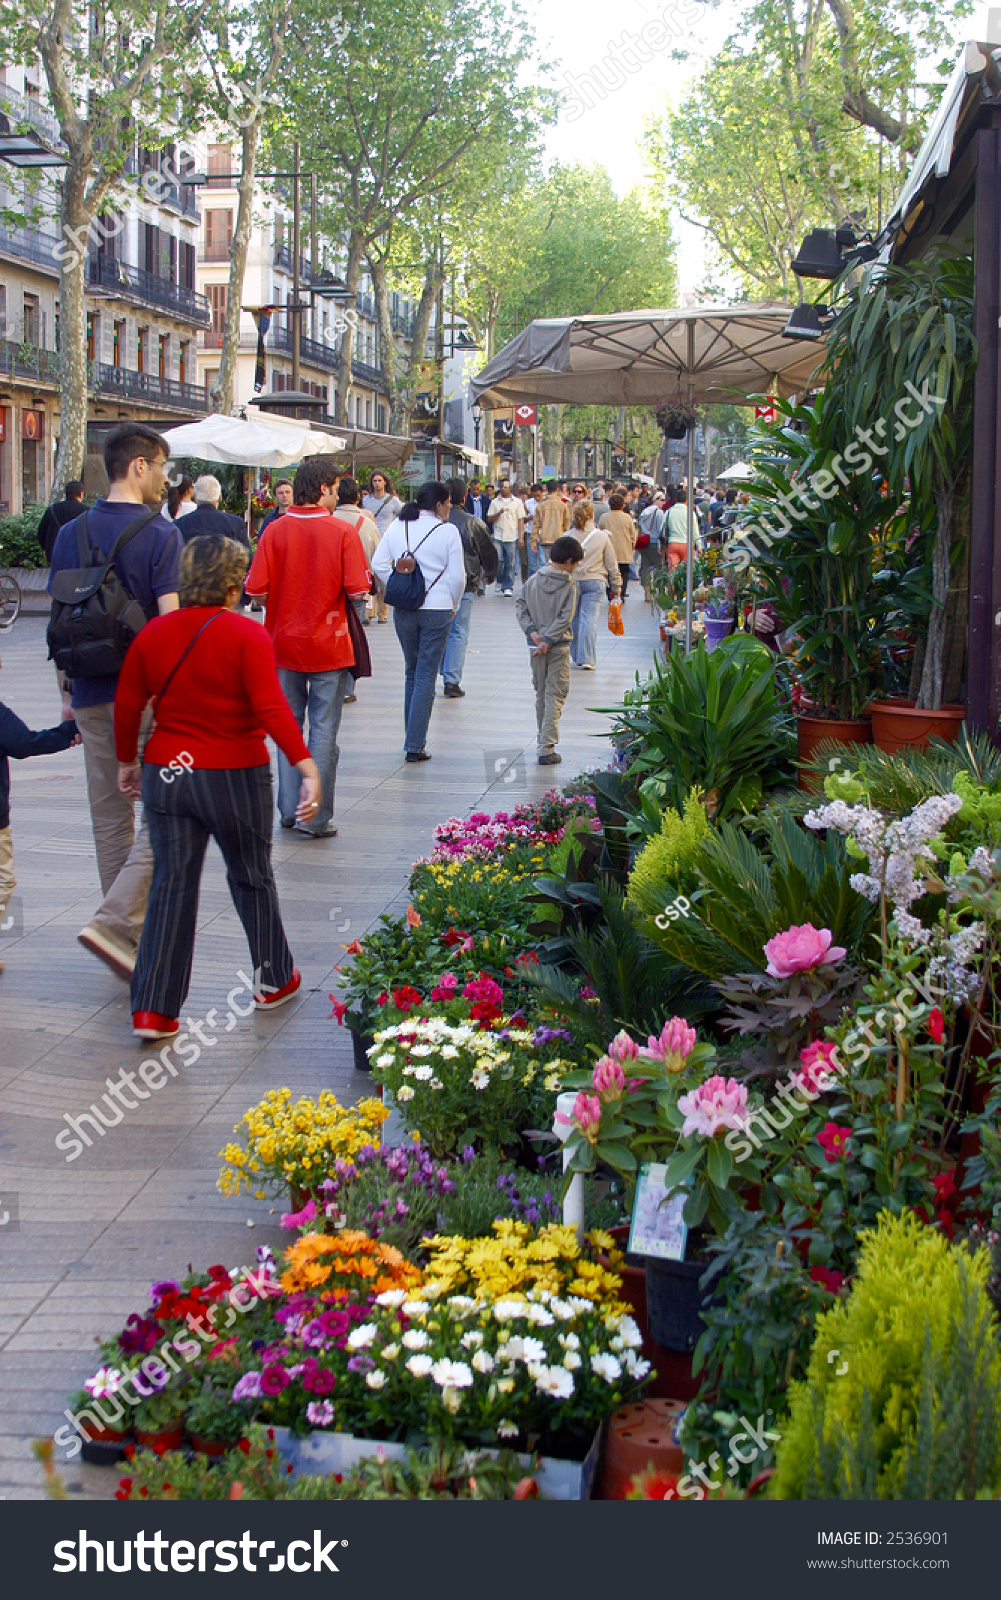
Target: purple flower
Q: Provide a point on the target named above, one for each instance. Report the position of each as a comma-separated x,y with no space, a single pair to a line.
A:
248,1387
360,1364
158,1290
320,1413
139,1335
468,1154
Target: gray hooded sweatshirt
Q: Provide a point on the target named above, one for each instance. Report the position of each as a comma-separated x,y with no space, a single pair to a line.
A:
546,605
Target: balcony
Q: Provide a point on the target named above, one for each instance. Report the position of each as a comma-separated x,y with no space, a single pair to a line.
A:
30,244
403,323
23,109
135,283
365,303
284,262
372,377
215,251
28,361
148,386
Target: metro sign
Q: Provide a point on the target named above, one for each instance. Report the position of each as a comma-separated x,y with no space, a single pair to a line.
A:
766,413
524,416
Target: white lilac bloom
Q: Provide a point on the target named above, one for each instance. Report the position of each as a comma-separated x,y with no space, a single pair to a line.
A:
483,1361
391,1297
415,1339
389,1352
452,1375
376,1380
555,1382
607,1367
416,1308
420,1366
508,1310
360,1338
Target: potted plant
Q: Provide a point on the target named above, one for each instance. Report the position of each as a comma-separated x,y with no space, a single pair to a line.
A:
812,536
159,1420
214,1423
717,617
912,364
676,416
86,1405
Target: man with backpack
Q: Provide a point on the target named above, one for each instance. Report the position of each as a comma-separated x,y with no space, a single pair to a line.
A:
479,554
113,569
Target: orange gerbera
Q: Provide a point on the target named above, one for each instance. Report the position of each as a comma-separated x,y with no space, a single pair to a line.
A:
346,1266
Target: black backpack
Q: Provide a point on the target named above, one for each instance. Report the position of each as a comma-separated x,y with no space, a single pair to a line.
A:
94,618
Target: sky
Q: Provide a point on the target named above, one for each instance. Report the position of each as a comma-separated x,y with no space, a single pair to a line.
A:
580,36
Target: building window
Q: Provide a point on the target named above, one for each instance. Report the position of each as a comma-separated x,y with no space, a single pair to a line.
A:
183,367
211,377
218,234
118,344
381,418
3,311
217,301
91,336
368,413
220,170
142,350
32,320
188,257
162,356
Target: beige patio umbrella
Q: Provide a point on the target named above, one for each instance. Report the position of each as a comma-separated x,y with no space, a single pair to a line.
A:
706,354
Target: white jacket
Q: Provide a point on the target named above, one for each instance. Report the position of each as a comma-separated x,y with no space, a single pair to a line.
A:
438,549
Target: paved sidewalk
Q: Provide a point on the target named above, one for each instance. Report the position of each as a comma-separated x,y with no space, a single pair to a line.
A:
84,1239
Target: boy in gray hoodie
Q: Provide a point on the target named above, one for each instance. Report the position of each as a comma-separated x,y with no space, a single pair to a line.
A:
545,609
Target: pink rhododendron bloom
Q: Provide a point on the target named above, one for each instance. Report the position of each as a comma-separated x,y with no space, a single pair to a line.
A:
800,949
717,1103
587,1115
622,1048
819,1073
609,1079
675,1045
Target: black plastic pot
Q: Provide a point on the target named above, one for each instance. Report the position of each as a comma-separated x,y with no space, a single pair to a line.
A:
676,430
361,1043
673,1302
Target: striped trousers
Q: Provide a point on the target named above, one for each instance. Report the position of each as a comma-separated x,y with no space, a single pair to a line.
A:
234,807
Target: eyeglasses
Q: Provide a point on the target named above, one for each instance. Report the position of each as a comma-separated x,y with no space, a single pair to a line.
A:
578,488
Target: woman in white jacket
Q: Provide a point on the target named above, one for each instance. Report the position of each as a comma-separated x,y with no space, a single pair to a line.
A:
423,530
594,576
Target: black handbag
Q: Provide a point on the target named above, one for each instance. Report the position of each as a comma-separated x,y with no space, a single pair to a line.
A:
356,628
405,586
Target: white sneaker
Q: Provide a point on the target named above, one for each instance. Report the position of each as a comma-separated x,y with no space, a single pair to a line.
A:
115,952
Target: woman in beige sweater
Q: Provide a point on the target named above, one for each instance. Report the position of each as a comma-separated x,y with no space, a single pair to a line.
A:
596,576
621,530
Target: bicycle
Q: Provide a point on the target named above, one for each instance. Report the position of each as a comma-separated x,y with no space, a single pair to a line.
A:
10,599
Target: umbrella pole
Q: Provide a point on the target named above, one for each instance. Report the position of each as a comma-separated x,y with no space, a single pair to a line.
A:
691,490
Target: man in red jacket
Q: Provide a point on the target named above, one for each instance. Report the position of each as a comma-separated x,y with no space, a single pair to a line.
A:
310,565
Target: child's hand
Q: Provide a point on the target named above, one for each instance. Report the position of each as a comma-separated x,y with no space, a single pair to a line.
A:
129,778
76,739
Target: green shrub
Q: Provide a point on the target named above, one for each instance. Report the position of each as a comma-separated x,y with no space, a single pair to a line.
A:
667,865
19,546
910,1405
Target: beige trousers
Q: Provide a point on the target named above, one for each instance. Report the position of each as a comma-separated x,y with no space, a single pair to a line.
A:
8,882
551,676
124,858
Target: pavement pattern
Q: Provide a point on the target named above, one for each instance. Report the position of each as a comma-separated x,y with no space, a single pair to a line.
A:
81,1241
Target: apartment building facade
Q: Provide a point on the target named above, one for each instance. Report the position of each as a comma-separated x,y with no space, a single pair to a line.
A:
144,308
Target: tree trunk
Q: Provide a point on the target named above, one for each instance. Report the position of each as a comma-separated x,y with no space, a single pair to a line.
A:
402,390
929,696
221,393
356,249
76,214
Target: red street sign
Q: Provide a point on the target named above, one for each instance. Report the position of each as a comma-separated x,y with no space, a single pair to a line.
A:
524,416
765,414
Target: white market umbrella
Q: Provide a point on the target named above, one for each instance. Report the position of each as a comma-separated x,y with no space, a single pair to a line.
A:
705,353
266,441
740,472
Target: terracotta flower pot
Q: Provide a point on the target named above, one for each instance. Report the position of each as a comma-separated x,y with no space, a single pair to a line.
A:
163,1439
897,725
812,731
209,1447
640,1436
673,1368
105,1435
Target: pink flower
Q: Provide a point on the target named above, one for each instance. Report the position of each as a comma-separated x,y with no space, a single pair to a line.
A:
445,987
675,1045
800,949
340,1006
833,1140
936,1025
588,992
715,1104
609,1079
622,1048
587,1115
819,1074
484,991
295,1219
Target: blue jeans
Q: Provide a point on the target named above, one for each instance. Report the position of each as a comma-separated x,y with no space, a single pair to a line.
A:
537,558
507,554
591,596
458,639
423,636
322,695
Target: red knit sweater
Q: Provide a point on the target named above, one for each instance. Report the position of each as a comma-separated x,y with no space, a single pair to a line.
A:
222,701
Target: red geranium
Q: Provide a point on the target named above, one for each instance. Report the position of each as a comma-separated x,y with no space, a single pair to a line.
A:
406,996
833,1140
936,1024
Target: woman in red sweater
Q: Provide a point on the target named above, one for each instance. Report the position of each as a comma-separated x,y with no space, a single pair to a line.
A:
211,674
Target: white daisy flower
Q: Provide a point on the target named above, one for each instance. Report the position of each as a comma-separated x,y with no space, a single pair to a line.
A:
508,1310
607,1367
449,1052
415,1339
471,1340
556,1382
404,1093
420,1366
422,1074
569,1341
571,1361
506,1429
452,1375
416,1308
376,1380
361,1338
422,1050
389,1352
483,1361
540,1316
386,1059
391,1297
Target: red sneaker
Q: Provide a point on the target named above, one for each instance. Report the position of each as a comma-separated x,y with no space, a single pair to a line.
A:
266,1002
151,1025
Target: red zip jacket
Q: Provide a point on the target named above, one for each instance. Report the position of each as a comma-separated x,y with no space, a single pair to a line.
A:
223,700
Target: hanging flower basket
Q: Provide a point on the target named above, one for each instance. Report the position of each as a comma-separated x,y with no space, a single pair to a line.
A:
675,417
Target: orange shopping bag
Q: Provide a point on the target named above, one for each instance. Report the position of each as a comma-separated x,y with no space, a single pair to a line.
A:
615,617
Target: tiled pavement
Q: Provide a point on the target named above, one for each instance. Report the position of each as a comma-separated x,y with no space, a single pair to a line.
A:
141,1203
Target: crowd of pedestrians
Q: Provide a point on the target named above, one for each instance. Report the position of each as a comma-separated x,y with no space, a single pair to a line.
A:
172,687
